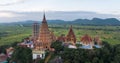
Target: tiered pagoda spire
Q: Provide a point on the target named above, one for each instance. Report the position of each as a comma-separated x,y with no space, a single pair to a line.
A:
44,38
44,19
71,36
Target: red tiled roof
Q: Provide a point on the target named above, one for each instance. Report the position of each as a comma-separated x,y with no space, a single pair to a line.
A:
86,38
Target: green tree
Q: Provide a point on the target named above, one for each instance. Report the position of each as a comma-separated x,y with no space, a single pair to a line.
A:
57,46
95,60
22,55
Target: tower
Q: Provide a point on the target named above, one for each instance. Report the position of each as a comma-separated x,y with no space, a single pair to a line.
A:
44,39
71,36
35,30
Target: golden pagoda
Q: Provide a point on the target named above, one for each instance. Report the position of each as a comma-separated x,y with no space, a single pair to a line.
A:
71,38
44,39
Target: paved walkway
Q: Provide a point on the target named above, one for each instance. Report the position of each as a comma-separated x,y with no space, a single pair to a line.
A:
48,57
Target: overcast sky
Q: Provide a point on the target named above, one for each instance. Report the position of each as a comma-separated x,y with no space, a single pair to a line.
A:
111,7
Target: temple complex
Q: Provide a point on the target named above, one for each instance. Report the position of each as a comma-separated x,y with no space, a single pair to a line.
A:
42,37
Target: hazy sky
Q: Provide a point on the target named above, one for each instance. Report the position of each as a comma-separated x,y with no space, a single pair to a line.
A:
99,6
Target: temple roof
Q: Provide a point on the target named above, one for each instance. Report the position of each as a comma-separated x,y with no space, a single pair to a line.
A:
44,19
71,33
86,38
71,36
61,38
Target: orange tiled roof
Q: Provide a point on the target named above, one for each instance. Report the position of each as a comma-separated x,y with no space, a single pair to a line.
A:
86,38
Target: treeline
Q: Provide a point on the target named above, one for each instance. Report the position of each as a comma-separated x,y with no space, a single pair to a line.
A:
107,54
85,28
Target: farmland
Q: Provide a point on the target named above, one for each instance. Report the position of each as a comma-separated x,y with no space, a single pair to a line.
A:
16,33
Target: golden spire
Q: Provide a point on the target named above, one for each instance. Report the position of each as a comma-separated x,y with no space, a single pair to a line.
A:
44,18
71,36
44,38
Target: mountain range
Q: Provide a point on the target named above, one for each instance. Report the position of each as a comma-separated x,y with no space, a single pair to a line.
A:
14,16
94,21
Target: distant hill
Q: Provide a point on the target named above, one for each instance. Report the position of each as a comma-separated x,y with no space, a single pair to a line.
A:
94,21
97,21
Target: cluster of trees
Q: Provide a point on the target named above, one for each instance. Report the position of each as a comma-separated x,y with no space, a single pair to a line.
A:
57,46
21,55
107,54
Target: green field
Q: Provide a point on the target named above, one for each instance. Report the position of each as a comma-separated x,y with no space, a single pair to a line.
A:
14,33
